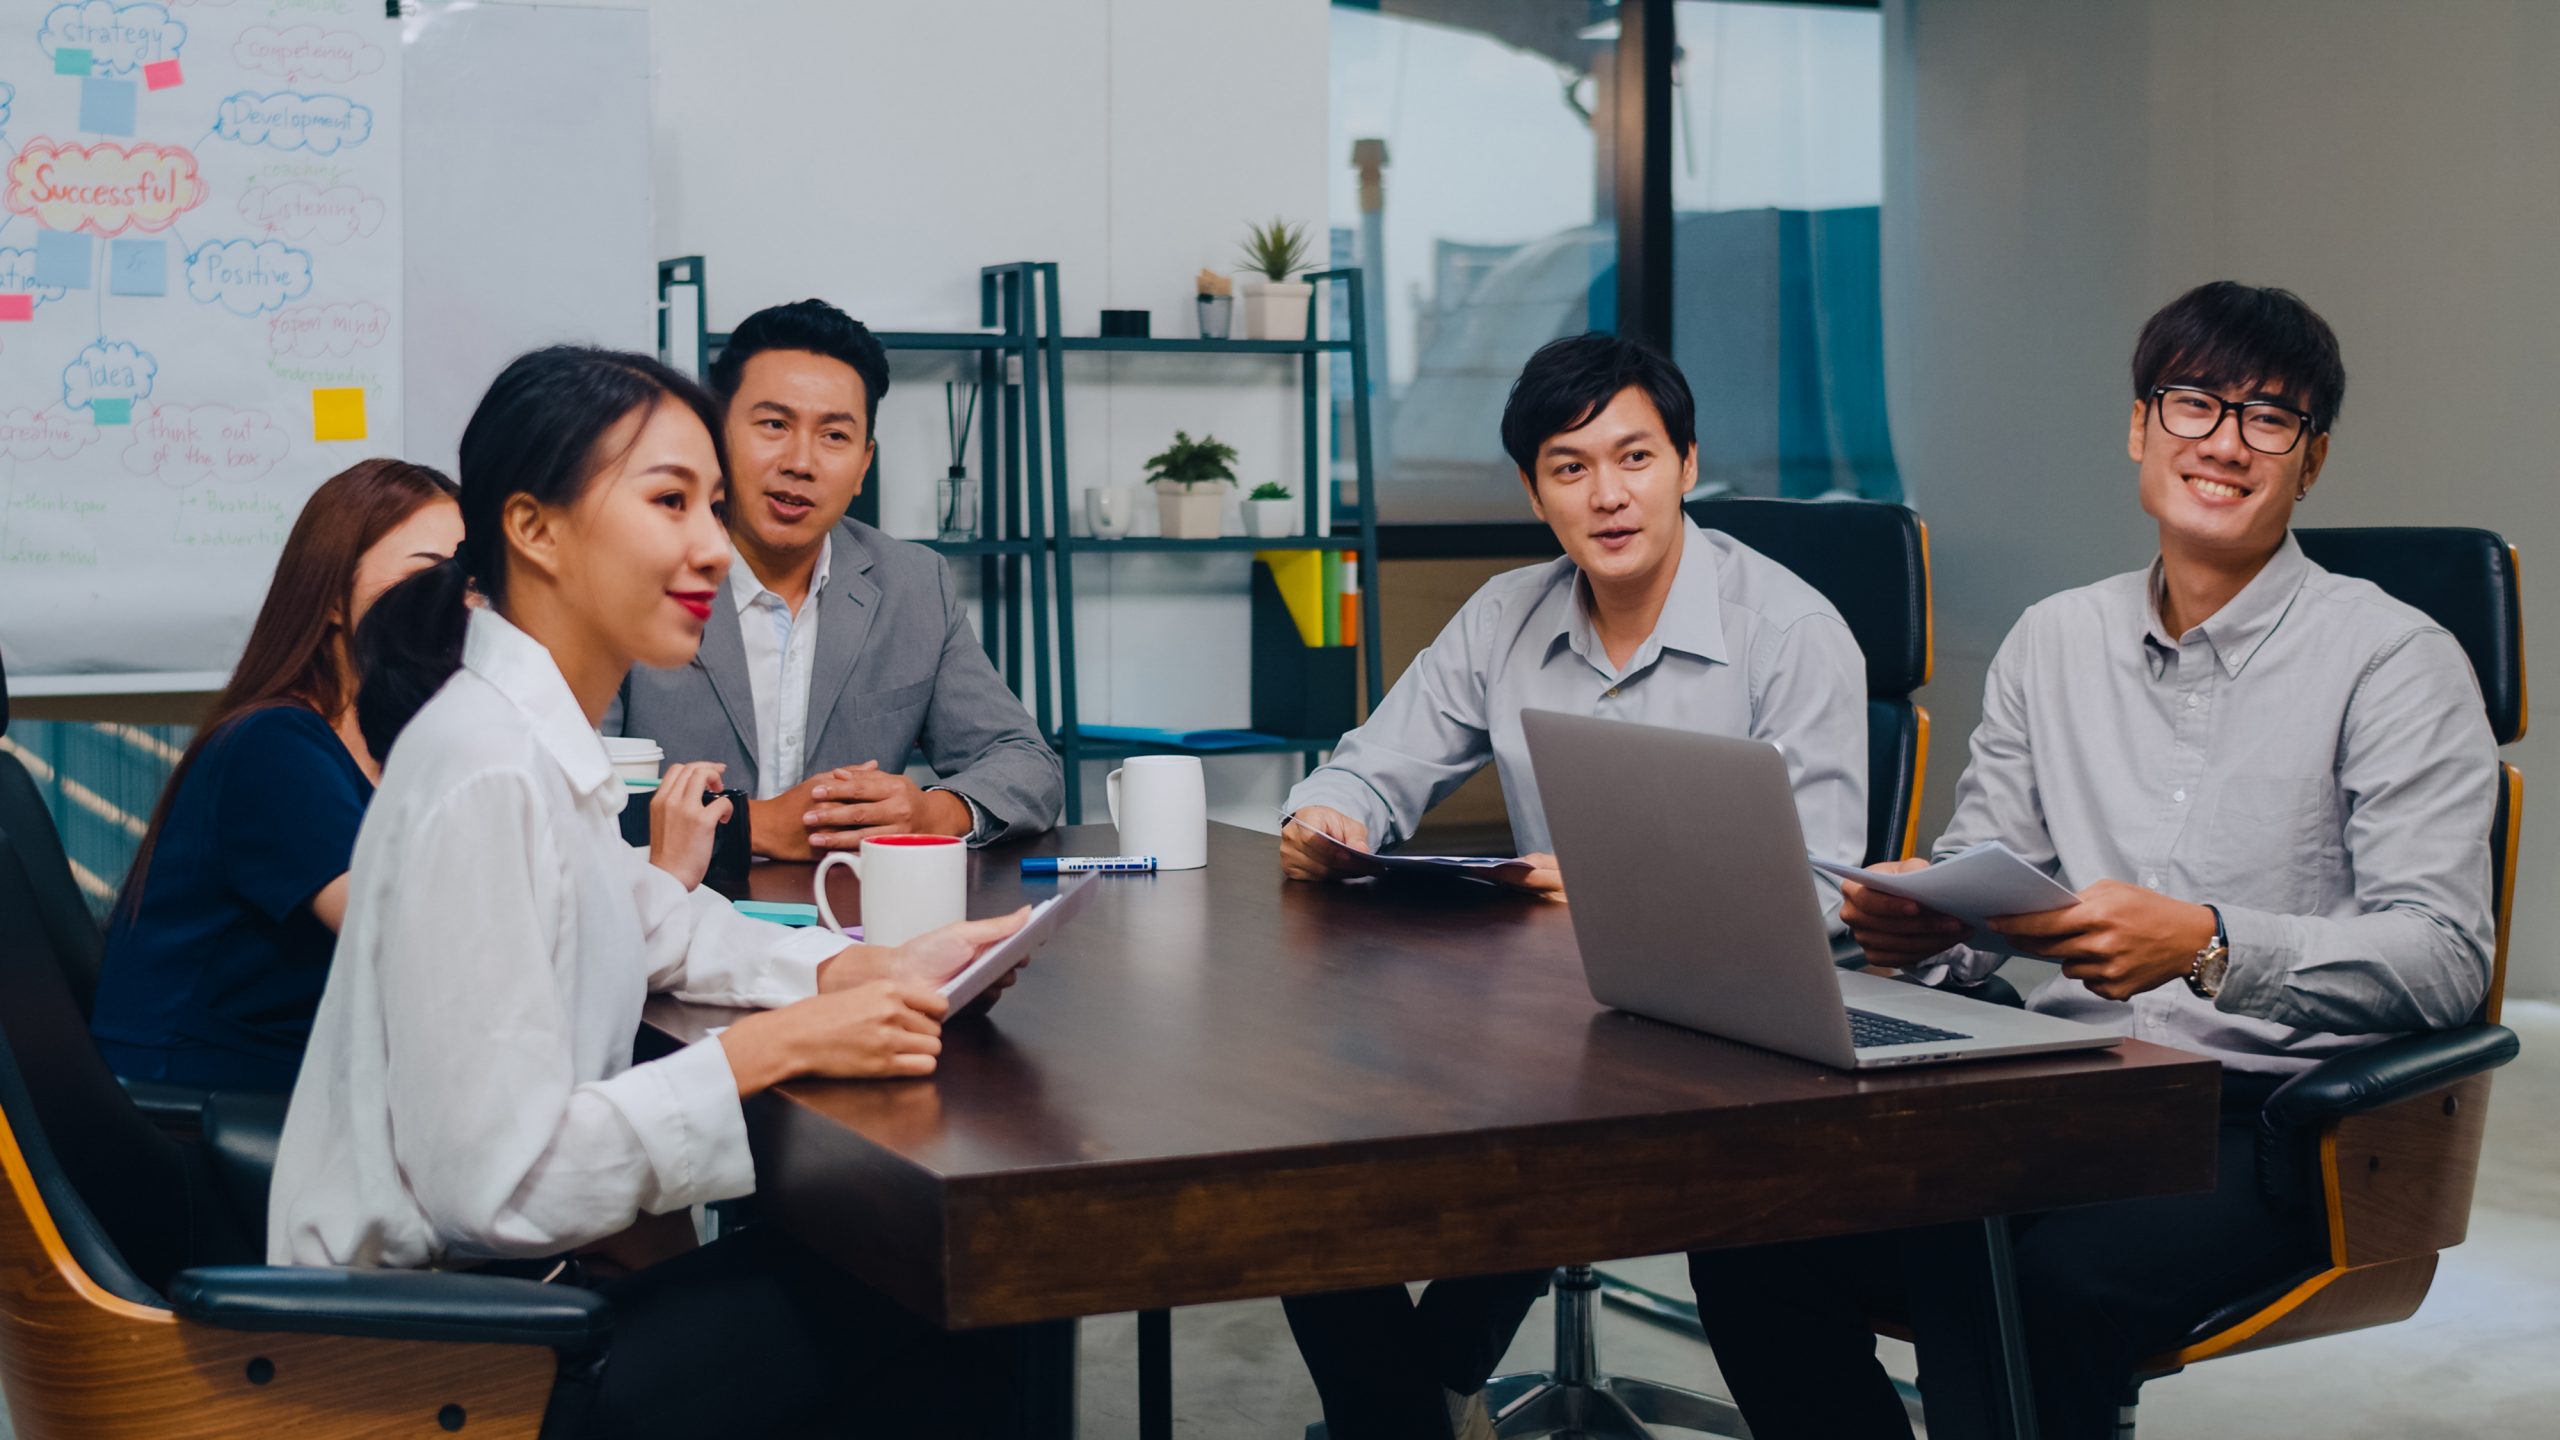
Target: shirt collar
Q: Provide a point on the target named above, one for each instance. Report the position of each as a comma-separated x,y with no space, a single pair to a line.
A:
1692,619
524,672
2242,625
745,589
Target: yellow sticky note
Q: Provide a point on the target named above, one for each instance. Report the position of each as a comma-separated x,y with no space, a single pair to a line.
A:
337,414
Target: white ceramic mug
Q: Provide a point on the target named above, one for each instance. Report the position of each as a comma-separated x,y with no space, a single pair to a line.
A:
1111,511
910,884
1161,805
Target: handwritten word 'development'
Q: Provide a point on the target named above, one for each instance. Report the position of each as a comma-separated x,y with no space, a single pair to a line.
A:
185,444
108,370
285,120
47,434
104,188
18,275
312,331
300,210
120,39
306,52
247,276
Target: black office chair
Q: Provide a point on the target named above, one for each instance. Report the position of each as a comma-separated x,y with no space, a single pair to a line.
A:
55,894
1871,561
129,1313
2395,1127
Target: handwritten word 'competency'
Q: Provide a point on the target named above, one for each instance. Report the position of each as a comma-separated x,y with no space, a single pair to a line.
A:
104,188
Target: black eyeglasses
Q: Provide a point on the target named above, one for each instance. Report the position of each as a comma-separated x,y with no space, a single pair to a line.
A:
2265,426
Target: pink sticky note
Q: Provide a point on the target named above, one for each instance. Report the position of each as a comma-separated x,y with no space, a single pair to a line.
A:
161,74
17,307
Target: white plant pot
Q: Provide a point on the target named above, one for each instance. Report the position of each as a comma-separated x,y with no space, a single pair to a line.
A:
1190,512
1276,310
1270,519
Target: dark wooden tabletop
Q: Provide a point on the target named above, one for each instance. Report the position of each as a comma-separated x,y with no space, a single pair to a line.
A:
1217,1084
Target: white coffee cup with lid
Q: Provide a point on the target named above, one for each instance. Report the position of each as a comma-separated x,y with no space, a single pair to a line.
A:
636,761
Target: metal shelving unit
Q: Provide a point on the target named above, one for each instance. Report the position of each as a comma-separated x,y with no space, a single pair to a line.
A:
1023,469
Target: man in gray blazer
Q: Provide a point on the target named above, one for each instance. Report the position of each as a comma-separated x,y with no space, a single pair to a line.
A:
836,651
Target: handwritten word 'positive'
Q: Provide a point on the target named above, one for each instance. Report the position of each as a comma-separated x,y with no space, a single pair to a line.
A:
104,188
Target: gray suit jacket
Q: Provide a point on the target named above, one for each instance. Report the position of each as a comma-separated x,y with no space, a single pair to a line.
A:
897,669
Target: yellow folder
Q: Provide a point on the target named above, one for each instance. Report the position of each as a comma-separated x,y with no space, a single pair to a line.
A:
1300,576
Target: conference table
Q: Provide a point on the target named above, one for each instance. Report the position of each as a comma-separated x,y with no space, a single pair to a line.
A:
1218,1084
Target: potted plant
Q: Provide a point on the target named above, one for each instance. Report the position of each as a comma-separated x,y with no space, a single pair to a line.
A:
1268,511
1217,304
1275,307
1189,504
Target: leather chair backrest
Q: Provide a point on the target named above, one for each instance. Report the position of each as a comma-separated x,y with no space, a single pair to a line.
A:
2464,579
134,1206
1868,558
26,822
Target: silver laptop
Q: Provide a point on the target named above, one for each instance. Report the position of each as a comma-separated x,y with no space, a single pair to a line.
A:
1692,903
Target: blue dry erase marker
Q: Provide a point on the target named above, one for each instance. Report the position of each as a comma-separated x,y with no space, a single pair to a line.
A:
1083,864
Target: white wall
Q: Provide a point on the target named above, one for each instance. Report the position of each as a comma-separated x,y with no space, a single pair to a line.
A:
877,154
2054,173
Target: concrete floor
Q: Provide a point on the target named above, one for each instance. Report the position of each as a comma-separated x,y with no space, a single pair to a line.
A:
2480,1361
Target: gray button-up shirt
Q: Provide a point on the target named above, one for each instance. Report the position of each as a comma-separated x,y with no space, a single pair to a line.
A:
2315,760
1743,648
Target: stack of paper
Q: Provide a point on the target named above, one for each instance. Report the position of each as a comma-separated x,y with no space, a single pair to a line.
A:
1973,886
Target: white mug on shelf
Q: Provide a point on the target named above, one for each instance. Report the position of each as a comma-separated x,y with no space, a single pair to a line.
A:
1161,805
910,884
1111,511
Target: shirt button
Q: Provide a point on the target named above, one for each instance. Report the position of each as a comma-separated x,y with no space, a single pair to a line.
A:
2191,702
1613,692
2151,880
2180,797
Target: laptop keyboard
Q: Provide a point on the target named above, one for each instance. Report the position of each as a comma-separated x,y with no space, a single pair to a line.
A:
1868,1029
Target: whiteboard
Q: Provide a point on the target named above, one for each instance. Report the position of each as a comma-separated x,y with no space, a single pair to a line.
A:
499,200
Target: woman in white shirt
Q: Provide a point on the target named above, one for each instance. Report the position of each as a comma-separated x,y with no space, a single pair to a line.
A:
468,1096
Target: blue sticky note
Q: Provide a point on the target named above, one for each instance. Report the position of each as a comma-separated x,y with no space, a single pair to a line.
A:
71,62
138,267
107,410
62,260
106,106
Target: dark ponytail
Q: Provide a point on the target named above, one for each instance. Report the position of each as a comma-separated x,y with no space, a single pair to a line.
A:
539,432
408,644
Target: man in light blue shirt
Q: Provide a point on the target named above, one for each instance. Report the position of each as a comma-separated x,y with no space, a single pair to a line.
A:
1646,618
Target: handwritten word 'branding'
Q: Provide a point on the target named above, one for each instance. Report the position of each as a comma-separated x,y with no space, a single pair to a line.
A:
311,331
247,276
47,434
321,124
120,39
307,52
300,210
108,370
104,188
186,444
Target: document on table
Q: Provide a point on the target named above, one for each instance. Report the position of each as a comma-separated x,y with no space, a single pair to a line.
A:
1972,885
998,959
1487,868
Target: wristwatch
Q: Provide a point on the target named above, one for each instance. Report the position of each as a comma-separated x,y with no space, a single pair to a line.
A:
2205,976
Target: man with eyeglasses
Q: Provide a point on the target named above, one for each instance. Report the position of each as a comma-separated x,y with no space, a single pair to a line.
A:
2270,787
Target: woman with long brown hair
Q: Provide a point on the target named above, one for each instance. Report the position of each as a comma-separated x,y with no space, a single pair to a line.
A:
220,944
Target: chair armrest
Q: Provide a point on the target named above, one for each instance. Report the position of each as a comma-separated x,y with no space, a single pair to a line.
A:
2384,1073
175,1108
393,1305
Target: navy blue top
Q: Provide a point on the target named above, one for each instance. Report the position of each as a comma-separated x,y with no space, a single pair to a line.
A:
213,979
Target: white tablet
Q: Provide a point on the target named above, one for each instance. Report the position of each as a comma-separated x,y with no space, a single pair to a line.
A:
999,959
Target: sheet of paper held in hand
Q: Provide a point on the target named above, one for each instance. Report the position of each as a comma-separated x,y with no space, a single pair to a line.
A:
1490,869
1972,885
998,959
